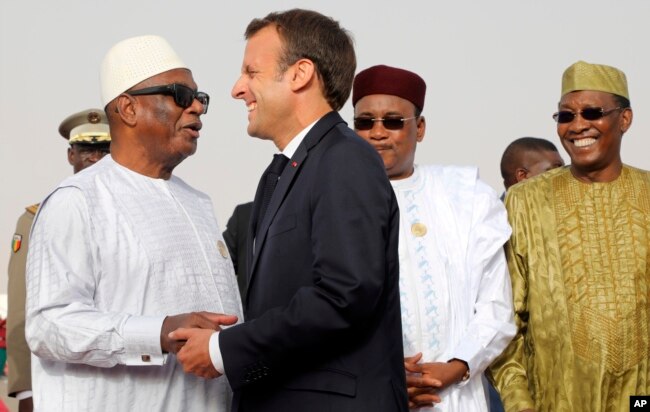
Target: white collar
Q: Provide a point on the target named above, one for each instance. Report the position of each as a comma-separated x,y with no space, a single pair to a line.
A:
407,182
291,148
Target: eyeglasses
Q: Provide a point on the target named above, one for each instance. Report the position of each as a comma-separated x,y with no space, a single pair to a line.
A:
87,151
183,95
589,113
390,123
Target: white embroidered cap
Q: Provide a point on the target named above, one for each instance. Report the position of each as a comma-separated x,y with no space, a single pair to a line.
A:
133,60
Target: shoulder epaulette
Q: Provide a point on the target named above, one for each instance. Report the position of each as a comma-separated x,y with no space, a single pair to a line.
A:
32,209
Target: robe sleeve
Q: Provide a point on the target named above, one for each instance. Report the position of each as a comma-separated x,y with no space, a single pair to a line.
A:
491,326
63,321
509,369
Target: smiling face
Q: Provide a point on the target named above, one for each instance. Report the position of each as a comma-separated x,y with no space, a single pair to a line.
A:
263,88
396,147
594,145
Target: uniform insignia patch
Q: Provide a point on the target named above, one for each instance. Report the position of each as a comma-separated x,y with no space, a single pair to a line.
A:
16,242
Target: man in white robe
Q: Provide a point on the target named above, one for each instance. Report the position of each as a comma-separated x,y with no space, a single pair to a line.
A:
121,248
455,292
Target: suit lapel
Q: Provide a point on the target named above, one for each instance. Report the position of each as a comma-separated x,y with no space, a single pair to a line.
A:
291,170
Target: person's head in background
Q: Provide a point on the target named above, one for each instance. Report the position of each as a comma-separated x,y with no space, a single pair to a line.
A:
527,157
89,137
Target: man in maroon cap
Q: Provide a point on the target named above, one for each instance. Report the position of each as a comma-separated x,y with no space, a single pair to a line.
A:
455,292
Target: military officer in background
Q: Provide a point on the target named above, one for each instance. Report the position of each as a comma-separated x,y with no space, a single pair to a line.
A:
88,135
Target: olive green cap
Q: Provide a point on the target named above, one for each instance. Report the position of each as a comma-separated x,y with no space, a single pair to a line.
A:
598,77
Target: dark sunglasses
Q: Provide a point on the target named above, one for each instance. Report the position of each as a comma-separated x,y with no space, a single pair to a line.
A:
183,95
87,150
390,123
589,113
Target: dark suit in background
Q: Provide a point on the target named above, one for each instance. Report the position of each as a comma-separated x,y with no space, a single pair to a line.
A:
236,235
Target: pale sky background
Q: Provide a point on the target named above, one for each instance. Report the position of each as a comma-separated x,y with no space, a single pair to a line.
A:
493,71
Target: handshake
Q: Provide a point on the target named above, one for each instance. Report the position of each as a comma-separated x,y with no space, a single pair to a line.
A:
188,336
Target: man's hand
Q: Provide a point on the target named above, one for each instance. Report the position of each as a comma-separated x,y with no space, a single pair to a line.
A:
195,354
201,320
424,380
422,388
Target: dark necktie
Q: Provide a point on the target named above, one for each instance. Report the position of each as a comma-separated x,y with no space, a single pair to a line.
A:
270,179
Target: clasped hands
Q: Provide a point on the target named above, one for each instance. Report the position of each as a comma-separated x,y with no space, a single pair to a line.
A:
425,380
188,336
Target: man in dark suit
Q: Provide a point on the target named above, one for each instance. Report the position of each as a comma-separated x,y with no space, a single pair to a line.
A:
322,330
236,236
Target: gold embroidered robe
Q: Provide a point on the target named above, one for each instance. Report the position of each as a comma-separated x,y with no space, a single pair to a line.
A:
579,259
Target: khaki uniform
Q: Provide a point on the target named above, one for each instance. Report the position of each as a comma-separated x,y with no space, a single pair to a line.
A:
18,354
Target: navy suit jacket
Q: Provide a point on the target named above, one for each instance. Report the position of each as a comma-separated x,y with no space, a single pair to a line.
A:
323,327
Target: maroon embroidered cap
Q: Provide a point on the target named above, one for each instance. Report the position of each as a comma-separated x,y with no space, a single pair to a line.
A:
389,80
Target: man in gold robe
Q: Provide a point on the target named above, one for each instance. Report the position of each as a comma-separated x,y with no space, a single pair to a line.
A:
579,259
